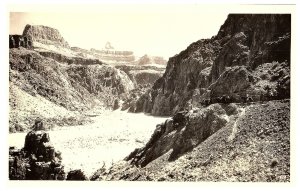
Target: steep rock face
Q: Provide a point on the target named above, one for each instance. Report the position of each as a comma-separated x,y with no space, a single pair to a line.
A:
142,75
184,73
143,78
244,41
15,41
45,35
181,134
257,39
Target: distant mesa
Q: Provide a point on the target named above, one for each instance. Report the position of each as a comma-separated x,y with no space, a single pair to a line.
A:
148,60
109,54
46,39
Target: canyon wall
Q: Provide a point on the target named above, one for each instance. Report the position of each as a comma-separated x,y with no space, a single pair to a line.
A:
243,46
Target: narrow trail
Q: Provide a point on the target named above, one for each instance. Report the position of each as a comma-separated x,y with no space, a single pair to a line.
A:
234,127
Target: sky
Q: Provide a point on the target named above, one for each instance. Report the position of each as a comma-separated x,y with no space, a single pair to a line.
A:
145,29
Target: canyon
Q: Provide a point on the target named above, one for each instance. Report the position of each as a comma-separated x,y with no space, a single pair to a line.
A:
222,105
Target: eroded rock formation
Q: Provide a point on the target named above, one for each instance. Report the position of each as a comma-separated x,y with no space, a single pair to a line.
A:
182,133
243,43
38,160
75,86
16,41
45,35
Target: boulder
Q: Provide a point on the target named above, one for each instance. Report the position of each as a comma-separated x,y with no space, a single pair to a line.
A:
116,104
76,175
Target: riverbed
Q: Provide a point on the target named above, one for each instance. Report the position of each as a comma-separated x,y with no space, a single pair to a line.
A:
110,138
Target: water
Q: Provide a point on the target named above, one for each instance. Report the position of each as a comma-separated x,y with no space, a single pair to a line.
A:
110,138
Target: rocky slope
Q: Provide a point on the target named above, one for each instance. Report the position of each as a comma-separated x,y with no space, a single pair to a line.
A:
75,86
251,145
230,101
56,82
243,44
46,82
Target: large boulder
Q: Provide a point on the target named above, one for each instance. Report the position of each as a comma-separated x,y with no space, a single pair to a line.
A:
76,175
38,160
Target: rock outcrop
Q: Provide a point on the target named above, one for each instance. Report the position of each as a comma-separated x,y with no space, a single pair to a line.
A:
143,78
142,75
45,35
148,60
38,160
243,44
16,41
76,175
182,133
69,84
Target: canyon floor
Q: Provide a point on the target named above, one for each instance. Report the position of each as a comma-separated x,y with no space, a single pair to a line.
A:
109,138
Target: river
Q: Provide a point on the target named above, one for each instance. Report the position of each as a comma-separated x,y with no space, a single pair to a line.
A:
110,138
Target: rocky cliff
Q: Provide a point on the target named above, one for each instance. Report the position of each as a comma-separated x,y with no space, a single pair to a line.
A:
16,41
229,97
234,58
69,84
48,81
66,80
45,35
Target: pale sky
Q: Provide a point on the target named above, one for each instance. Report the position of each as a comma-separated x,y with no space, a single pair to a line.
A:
144,29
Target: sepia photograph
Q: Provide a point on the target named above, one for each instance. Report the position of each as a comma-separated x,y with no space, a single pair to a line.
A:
150,92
